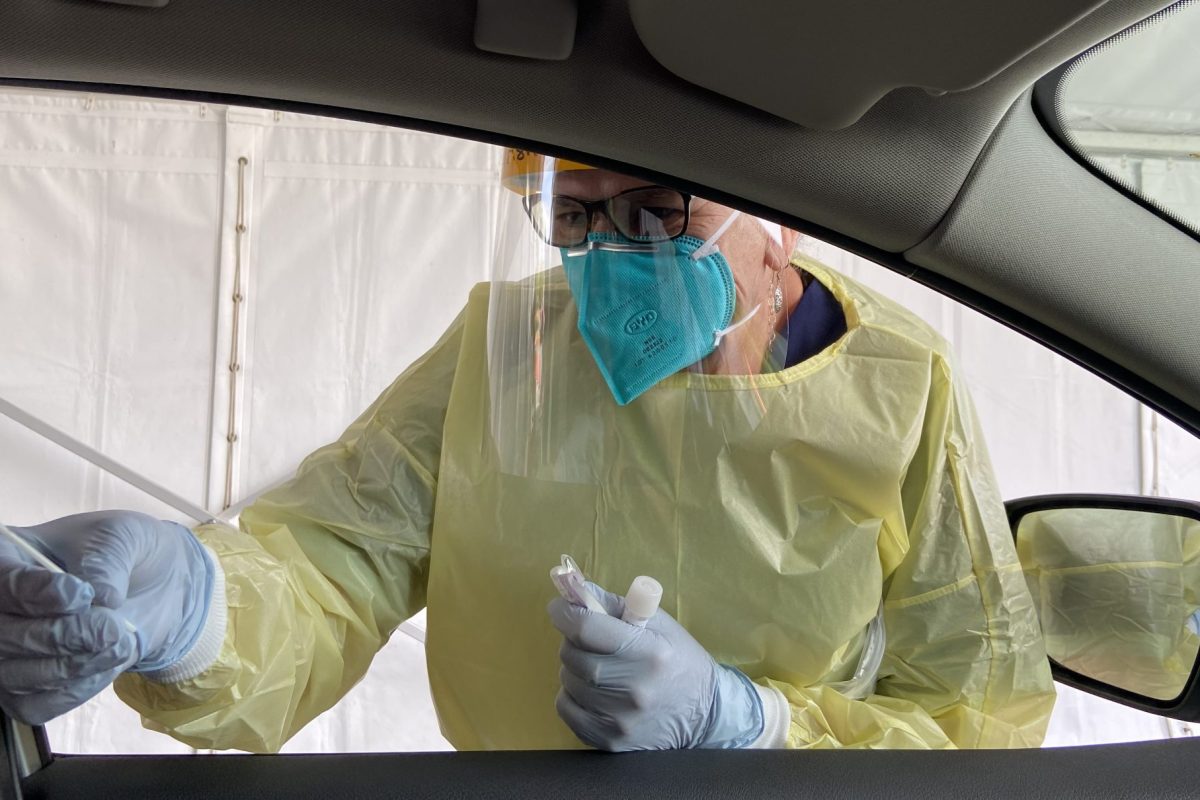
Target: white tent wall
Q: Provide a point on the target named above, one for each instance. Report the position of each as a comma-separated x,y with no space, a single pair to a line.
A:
119,248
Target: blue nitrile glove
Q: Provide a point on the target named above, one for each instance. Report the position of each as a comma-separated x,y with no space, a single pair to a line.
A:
64,637
626,687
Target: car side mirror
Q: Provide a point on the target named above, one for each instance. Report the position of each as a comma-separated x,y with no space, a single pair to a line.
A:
1116,584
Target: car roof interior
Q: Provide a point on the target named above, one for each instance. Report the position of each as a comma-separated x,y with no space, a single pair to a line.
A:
932,156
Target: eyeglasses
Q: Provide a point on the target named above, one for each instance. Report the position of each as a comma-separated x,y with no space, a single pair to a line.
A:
645,214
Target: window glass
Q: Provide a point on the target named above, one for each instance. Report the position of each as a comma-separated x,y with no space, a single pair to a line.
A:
209,294
1132,106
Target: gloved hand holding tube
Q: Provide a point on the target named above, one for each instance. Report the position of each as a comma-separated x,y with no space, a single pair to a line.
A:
134,594
641,601
633,680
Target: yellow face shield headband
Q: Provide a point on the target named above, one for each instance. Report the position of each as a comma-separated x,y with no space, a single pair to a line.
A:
523,171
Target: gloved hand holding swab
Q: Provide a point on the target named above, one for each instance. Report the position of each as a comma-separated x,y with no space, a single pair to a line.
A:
42,559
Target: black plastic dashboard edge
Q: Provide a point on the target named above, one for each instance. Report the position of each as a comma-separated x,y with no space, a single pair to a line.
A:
1160,770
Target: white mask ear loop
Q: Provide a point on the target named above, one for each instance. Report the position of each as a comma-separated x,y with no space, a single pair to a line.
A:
723,332
710,246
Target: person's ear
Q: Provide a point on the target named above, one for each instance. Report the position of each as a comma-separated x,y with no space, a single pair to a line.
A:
779,253
790,240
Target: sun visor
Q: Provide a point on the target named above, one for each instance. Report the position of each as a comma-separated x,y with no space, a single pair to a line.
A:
824,64
543,29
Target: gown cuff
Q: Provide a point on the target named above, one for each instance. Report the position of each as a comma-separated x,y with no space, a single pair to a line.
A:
207,648
777,717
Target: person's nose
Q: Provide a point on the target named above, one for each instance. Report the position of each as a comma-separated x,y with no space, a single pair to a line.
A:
601,223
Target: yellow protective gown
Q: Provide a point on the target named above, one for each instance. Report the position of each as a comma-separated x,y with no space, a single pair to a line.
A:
777,510
1116,590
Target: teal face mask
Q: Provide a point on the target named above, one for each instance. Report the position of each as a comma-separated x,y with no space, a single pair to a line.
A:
648,310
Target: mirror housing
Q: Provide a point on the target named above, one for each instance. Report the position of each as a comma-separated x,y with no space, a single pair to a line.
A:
1075,547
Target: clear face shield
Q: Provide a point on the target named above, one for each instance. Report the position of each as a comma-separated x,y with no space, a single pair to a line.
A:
609,292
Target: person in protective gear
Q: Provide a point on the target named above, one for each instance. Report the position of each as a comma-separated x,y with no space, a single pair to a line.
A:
653,386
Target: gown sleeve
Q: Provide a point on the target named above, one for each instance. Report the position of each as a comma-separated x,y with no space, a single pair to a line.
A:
964,665
319,573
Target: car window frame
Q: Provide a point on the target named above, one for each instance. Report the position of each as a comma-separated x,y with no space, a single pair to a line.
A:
1047,95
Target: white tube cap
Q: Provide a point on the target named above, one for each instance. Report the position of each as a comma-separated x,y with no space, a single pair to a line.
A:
643,597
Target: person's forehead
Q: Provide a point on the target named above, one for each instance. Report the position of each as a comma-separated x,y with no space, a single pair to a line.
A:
595,184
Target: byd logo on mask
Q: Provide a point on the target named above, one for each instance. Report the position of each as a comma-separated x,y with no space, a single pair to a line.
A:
641,321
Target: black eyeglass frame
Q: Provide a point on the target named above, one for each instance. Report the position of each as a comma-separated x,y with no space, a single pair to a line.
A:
590,207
